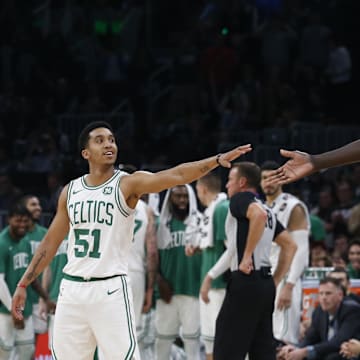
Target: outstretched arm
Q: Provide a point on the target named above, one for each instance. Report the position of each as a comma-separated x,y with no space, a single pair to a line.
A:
301,164
141,182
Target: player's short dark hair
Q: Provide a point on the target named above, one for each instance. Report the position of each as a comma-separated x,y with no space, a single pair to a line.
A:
25,198
84,135
212,181
355,241
18,209
250,171
269,165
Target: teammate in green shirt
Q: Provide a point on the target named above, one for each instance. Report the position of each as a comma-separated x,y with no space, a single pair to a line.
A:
179,278
35,234
212,245
15,256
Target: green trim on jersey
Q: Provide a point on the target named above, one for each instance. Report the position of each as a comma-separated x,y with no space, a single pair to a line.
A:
15,257
131,350
211,255
181,271
56,267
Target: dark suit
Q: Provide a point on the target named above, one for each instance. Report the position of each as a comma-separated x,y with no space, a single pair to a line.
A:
347,325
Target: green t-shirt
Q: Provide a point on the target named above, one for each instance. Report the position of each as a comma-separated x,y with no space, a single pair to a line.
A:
211,255
15,256
34,237
181,271
353,273
56,267
318,231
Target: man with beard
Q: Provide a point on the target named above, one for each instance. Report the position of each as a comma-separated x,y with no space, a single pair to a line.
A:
179,275
15,255
35,234
353,267
293,215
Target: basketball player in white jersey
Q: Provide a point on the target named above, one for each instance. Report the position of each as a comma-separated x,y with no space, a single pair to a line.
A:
97,210
293,215
143,262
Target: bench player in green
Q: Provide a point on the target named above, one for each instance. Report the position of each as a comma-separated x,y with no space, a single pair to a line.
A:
212,244
35,234
15,256
177,309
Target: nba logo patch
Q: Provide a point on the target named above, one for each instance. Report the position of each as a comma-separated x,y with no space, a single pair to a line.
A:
107,190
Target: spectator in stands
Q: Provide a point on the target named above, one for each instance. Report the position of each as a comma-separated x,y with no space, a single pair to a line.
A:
333,322
55,185
323,209
341,213
319,256
339,74
341,274
353,267
341,244
338,259
356,180
9,192
317,232
354,221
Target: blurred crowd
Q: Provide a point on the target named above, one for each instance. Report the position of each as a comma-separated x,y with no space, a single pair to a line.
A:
194,74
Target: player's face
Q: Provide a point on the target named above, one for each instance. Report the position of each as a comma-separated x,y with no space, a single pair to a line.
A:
33,205
179,197
18,226
329,297
101,147
233,185
268,190
354,256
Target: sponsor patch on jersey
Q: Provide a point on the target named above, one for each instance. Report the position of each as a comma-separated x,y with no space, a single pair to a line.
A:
107,190
283,206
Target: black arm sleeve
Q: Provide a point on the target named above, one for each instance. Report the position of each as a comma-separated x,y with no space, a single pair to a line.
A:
278,229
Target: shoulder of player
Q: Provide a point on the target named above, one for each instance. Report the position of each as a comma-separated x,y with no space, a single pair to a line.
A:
222,205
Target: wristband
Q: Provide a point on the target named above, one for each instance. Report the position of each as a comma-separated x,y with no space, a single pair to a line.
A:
20,285
218,159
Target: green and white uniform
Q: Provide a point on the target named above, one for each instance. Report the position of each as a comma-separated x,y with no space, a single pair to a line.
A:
137,261
182,315
15,256
286,322
95,300
56,270
215,213
34,237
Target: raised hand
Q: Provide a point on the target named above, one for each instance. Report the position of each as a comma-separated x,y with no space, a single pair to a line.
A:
226,158
299,166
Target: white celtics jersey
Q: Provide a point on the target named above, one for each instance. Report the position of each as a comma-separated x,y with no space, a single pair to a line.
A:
282,206
137,256
101,228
